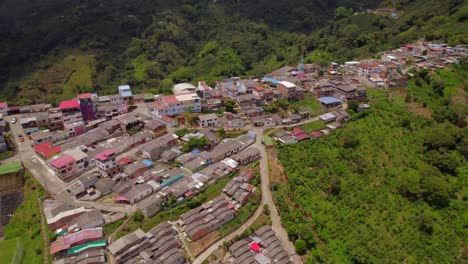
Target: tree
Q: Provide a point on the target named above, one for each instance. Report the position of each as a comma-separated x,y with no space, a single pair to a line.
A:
266,209
408,183
342,12
229,104
335,185
436,191
445,161
195,143
229,63
138,216
353,105
443,135
301,246
438,86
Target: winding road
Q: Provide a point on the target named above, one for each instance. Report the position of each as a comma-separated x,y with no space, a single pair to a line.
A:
267,198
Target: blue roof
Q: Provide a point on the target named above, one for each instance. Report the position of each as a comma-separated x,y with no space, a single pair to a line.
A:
329,100
124,88
195,152
148,163
126,94
32,130
270,80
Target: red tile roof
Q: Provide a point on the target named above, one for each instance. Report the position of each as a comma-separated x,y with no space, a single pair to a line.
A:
301,137
369,65
316,134
46,149
160,105
296,132
84,96
170,99
124,161
255,247
62,161
103,156
69,104
3,104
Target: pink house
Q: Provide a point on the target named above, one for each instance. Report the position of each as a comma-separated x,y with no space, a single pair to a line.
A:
106,163
64,167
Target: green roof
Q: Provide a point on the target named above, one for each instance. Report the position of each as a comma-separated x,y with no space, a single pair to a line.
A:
77,249
148,96
171,180
10,167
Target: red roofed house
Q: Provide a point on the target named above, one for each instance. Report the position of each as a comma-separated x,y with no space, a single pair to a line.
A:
71,111
47,150
64,167
367,68
317,134
299,134
172,105
106,163
74,239
3,107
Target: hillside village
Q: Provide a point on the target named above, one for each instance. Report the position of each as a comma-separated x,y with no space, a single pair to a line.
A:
141,152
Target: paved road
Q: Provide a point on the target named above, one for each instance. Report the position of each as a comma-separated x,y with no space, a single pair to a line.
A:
267,198
53,185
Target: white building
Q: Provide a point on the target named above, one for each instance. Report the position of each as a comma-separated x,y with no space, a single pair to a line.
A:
208,120
182,88
105,161
172,105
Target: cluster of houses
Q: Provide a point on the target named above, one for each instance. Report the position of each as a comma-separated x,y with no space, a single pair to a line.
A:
159,245
79,233
147,184
331,121
394,67
162,244
260,248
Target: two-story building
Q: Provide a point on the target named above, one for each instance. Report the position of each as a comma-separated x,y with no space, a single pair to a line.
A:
208,120
171,105
106,164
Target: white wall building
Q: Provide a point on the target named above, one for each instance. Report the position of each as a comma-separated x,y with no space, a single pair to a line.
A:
172,105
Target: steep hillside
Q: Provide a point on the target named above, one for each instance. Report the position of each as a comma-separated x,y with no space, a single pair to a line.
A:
151,44
388,188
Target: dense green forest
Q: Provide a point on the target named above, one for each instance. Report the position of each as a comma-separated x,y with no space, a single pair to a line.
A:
151,44
391,186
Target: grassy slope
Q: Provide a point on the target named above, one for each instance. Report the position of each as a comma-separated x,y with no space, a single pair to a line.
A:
309,102
26,224
8,250
59,77
369,221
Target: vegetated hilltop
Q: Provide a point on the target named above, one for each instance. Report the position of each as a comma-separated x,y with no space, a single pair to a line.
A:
390,187
151,44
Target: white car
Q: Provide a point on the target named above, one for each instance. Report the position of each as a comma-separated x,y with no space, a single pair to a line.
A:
13,120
